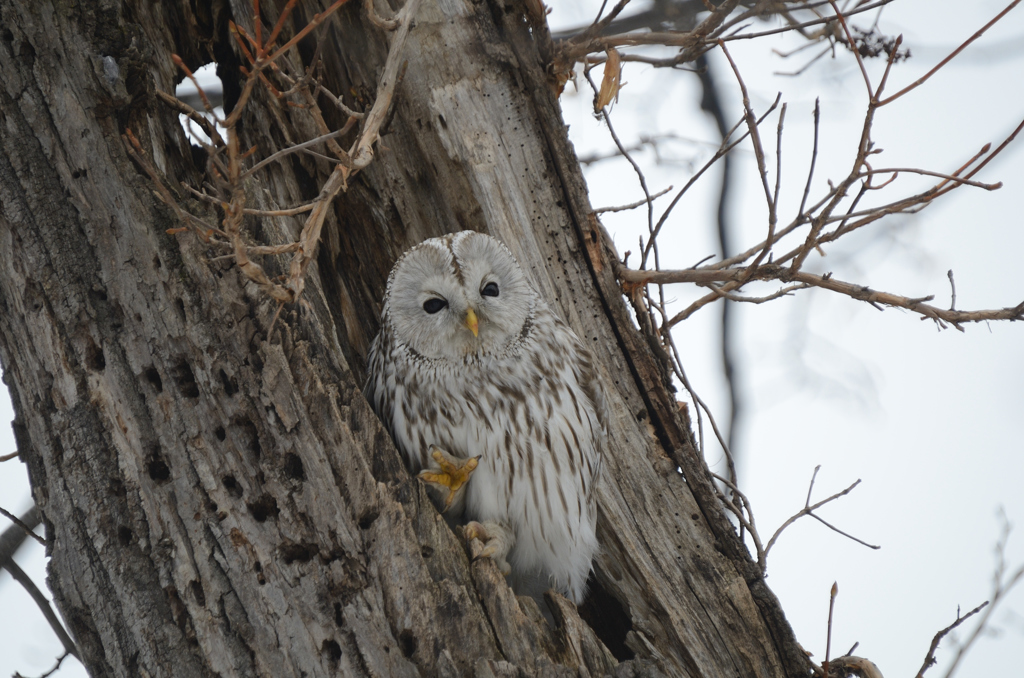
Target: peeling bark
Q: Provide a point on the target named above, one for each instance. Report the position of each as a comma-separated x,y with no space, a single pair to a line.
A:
221,504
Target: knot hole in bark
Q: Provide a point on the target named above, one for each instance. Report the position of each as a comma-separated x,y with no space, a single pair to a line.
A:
158,469
608,619
332,650
263,508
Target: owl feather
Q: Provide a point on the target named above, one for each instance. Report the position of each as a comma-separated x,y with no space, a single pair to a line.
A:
470,359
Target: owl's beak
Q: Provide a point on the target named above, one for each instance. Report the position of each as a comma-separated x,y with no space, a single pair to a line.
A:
472,323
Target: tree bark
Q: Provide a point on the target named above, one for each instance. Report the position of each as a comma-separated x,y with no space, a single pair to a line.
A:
218,502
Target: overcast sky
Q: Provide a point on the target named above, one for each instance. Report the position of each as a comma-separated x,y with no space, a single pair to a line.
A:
929,421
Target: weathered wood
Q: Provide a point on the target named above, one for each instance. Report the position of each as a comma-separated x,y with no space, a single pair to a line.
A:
220,504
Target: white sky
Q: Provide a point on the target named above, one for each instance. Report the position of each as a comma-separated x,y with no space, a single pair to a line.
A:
928,420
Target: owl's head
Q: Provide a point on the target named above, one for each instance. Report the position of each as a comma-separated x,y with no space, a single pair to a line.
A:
457,295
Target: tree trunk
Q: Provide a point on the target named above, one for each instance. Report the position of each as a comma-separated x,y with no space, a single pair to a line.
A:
218,502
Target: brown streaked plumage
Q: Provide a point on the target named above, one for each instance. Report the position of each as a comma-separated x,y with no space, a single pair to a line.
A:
515,387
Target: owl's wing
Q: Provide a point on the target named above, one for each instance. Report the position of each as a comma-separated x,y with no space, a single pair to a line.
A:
375,390
589,378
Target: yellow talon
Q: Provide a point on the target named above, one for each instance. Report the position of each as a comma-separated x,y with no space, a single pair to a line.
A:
451,476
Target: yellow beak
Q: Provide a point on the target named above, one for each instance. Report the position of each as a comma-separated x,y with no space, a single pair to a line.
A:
472,323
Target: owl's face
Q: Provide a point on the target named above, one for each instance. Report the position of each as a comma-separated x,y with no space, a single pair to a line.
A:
457,295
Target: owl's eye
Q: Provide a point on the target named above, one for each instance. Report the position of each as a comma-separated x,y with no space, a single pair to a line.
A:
434,305
490,289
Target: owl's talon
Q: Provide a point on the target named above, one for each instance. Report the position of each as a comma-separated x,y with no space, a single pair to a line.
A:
490,540
450,475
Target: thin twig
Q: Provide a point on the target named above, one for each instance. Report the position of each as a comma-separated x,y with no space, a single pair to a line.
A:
859,292
814,158
853,47
297,147
636,169
290,212
808,510
17,521
1000,589
743,513
806,24
952,286
755,138
778,159
783,292
30,587
929,659
832,527
632,205
828,639
928,173
920,81
719,154
209,128
56,667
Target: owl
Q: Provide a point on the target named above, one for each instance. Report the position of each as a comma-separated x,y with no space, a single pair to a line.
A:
492,398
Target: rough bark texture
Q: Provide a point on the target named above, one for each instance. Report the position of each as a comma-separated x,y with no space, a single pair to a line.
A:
218,504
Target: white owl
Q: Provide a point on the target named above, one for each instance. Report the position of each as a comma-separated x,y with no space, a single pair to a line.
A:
474,374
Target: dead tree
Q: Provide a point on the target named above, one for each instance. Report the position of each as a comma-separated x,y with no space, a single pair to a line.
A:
218,497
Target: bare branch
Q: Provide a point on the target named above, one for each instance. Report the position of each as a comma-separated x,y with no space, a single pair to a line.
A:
852,42
808,510
632,205
209,129
371,12
297,147
920,81
362,150
952,285
722,151
814,158
783,292
1000,589
30,587
928,173
56,667
17,521
755,138
636,168
828,638
706,276
807,24
832,527
290,212
929,659
14,536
